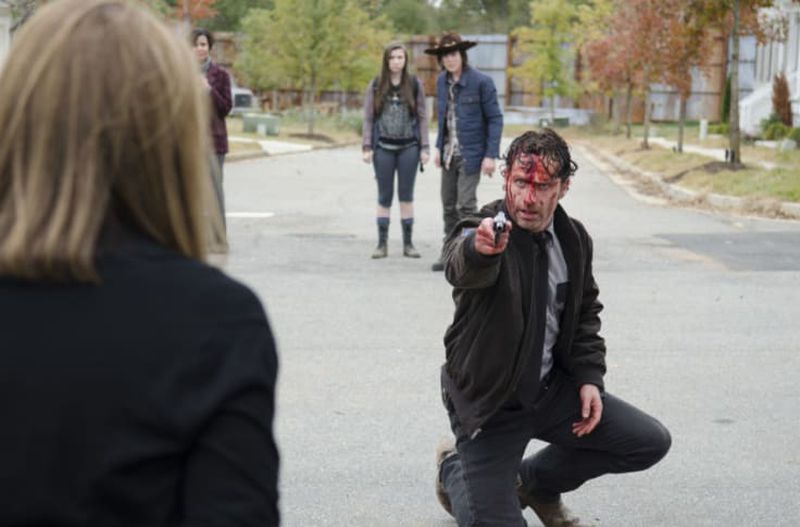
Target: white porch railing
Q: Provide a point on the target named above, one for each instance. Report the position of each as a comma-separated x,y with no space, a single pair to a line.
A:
758,105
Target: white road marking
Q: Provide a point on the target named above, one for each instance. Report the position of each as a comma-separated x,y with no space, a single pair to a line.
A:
249,214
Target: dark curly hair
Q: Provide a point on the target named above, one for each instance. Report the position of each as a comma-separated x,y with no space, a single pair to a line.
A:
200,32
547,144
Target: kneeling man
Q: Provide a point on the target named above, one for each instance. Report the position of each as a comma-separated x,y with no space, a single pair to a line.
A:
525,359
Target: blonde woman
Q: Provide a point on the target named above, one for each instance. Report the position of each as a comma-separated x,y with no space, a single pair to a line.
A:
136,382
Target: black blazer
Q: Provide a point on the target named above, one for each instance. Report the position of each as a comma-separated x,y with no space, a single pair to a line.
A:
145,401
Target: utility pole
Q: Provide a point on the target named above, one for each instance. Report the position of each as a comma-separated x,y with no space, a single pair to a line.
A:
186,19
734,156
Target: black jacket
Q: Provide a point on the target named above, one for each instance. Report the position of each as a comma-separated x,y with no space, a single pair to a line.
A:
485,356
146,400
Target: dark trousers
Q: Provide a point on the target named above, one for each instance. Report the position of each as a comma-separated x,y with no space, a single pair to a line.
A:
218,238
404,162
216,181
481,479
459,193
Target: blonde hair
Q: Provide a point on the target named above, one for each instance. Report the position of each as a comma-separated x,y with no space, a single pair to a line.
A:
103,117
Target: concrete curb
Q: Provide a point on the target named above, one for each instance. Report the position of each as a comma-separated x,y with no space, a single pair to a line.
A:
762,207
245,156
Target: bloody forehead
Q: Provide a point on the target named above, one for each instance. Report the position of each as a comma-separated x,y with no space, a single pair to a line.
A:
535,166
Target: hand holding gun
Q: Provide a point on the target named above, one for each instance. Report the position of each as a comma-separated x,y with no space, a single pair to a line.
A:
491,236
499,225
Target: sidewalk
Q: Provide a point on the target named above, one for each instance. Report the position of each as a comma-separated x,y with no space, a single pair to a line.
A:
715,153
268,147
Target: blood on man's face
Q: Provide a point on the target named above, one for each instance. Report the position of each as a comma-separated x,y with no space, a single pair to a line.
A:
533,191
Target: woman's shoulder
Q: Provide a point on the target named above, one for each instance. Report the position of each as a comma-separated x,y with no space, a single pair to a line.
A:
176,278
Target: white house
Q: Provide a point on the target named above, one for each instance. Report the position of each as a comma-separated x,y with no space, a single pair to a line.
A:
5,29
770,59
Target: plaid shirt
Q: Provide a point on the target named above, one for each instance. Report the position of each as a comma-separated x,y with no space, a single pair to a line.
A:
452,148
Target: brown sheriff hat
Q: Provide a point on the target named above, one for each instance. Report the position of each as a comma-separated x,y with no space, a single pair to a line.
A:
450,42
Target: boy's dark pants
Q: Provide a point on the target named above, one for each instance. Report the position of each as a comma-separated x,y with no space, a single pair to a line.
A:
481,479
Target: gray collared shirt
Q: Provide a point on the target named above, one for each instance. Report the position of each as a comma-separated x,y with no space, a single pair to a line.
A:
556,297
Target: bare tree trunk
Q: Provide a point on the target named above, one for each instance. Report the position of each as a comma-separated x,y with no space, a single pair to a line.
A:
646,133
186,20
681,123
616,114
647,108
307,107
553,109
735,138
312,95
628,110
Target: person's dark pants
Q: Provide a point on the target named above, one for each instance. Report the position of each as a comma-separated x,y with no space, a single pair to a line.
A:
218,238
459,193
404,162
481,478
216,179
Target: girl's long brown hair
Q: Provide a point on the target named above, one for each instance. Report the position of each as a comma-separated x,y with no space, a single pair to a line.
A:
104,115
384,81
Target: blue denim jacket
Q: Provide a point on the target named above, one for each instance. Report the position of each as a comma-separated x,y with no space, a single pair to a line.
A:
479,119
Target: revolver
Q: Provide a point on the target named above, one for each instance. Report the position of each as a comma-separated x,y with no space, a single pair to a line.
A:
499,223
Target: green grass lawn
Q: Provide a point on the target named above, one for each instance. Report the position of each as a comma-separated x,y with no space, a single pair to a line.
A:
779,183
328,130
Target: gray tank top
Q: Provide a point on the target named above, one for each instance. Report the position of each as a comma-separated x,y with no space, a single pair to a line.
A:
395,124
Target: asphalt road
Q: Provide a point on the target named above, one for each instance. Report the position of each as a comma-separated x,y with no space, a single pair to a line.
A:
701,320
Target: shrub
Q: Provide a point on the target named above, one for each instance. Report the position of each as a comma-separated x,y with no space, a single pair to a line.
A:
794,134
767,123
775,131
726,100
719,128
598,122
781,105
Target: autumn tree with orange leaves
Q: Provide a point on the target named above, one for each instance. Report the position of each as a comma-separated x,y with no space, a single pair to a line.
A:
607,64
689,43
611,70
644,26
632,53
648,41
194,11
734,18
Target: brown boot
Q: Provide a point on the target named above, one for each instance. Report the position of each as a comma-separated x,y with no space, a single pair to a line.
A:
551,514
445,449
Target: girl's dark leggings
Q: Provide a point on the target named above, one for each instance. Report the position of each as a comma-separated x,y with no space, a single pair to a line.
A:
387,162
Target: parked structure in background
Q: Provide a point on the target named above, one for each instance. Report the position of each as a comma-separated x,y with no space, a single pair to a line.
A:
770,59
5,29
